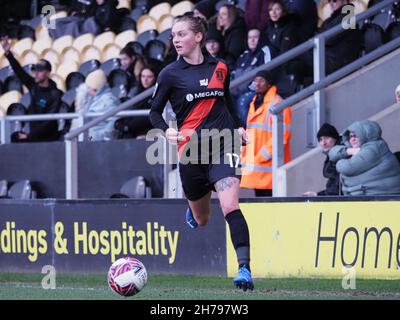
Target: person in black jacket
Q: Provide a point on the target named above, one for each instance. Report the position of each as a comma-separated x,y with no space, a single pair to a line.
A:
282,30
45,97
106,14
328,137
233,29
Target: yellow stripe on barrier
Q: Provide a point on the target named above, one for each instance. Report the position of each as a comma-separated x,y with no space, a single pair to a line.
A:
321,239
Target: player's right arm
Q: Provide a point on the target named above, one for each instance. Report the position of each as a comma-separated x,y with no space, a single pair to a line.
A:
158,102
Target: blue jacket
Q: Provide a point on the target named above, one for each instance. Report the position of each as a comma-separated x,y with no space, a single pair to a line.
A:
374,170
102,102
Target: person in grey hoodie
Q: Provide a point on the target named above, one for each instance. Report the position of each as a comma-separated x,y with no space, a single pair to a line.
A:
101,100
365,163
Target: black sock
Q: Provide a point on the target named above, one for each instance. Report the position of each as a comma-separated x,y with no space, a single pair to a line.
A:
239,236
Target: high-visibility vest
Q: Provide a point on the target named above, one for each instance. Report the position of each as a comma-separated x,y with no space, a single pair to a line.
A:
256,157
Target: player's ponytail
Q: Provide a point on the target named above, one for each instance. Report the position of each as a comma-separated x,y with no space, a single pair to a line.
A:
197,24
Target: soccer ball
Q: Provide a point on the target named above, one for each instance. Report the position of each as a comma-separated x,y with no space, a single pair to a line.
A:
127,276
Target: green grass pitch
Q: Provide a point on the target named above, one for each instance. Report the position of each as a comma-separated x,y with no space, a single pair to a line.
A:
167,287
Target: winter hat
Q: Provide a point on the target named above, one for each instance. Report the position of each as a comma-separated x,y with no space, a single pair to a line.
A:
96,79
269,76
328,130
206,7
214,34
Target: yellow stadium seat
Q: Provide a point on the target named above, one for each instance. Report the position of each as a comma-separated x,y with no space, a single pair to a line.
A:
104,39
83,41
181,8
111,51
70,54
2,112
145,23
29,57
124,4
124,37
51,56
59,81
324,10
66,68
360,6
42,33
90,53
159,10
58,15
165,22
63,42
8,98
22,45
40,45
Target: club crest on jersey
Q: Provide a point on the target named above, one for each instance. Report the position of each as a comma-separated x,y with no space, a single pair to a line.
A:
220,74
204,83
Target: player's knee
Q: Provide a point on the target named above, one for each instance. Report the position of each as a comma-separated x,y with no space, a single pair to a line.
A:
229,207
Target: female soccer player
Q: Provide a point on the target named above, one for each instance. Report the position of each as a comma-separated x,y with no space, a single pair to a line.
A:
197,86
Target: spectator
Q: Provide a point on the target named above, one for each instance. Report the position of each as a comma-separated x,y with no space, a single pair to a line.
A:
308,16
128,60
328,137
256,14
132,127
397,94
365,163
233,30
106,14
45,98
282,30
205,9
248,60
101,100
257,156
215,43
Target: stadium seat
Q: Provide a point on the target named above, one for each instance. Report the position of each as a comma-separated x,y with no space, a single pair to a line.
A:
21,190
63,124
22,45
63,42
73,80
5,73
124,37
126,24
9,98
52,56
66,68
25,31
120,91
393,31
159,10
145,23
83,41
29,57
137,47
383,18
137,13
91,53
70,54
147,36
3,62
3,188
29,68
165,23
12,83
324,10
359,6
165,37
16,109
104,39
155,49
40,45
135,188
124,4
110,65
373,37
89,66
69,98
59,81
2,112
181,7
26,99
41,32
118,77
111,51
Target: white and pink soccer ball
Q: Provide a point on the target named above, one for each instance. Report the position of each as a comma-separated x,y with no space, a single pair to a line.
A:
127,276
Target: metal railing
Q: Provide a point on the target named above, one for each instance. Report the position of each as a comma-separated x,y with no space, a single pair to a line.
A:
317,90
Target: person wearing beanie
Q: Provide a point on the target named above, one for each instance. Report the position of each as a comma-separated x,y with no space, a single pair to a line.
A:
101,100
256,157
214,43
328,137
205,9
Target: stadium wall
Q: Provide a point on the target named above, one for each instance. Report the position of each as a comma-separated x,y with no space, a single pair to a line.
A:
291,237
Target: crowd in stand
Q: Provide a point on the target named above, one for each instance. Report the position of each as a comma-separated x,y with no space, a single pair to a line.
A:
245,38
